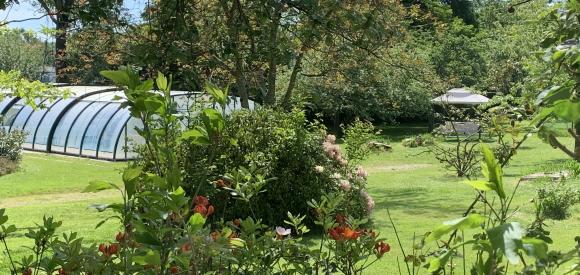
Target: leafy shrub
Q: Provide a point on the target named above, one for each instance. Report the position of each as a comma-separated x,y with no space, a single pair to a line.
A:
10,145
357,136
297,158
7,166
418,141
556,198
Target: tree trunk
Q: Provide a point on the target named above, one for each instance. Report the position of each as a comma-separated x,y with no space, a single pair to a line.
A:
273,59
63,21
577,142
292,81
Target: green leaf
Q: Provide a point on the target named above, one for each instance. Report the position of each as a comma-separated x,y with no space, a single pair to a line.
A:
217,94
545,112
196,136
508,239
153,104
150,258
491,169
121,78
161,82
482,185
535,248
132,174
99,185
558,55
196,222
568,110
469,222
146,238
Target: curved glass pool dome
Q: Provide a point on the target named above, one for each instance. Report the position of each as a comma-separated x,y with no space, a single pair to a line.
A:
89,123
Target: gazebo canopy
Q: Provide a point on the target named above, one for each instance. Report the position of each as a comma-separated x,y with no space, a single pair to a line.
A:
460,96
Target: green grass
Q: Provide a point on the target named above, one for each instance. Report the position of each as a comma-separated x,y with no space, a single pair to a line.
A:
417,190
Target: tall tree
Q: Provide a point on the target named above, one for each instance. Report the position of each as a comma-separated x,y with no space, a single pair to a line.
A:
64,14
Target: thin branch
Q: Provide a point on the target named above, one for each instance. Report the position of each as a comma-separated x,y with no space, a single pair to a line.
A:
4,23
557,144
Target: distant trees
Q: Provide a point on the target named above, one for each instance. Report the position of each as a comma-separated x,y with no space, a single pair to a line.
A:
23,51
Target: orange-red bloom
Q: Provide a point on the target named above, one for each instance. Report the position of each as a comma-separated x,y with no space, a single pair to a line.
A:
174,270
109,250
201,200
341,233
186,247
382,248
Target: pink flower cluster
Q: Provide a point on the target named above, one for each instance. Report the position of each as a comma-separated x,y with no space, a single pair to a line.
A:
361,172
345,185
332,150
369,199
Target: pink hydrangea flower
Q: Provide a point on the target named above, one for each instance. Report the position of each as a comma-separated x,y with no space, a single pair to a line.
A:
342,161
361,172
281,231
369,200
331,138
345,185
318,169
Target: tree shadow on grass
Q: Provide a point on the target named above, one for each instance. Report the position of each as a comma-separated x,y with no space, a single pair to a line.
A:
417,201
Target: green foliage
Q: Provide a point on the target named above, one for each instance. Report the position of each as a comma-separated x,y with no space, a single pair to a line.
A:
357,136
10,145
556,198
419,141
281,148
18,86
23,51
497,242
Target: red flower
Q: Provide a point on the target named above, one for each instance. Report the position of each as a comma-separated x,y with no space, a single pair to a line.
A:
341,233
350,234
203,210
61,271
103,248
382,248
186,247
336,233
109,250
174,270
201,200
121,236
27,272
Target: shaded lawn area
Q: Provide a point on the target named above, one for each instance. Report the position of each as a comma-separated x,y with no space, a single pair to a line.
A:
419,192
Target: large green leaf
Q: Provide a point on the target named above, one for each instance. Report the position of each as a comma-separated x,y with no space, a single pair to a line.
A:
196,222
508,239
535,248
219,95
482,185
469,222
197,136
568,110
491,169
120,78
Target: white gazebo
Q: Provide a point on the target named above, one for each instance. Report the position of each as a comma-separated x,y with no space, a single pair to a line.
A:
460,96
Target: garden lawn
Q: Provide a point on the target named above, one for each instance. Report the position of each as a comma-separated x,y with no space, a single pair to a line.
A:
417,190
52,185
420,194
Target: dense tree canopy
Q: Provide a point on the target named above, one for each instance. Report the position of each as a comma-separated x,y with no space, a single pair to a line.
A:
381,60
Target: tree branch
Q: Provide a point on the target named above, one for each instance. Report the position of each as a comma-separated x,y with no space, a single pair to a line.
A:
23,20
556,144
